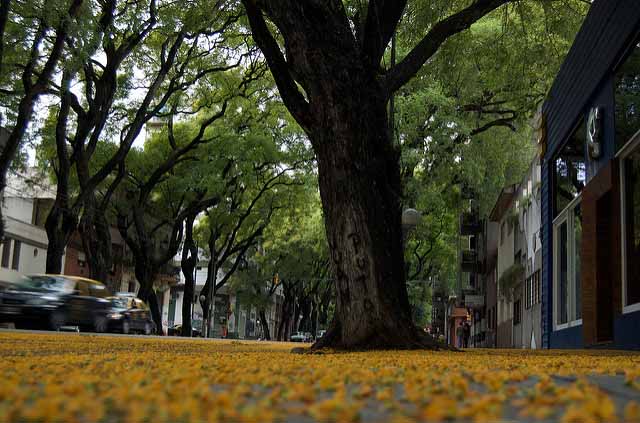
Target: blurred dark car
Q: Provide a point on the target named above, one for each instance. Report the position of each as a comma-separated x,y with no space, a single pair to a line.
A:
54,301
130,314
176,330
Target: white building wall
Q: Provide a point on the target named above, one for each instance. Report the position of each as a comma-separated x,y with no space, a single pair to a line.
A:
17,207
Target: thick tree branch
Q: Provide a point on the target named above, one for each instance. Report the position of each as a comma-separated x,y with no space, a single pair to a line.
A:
382,19
429,45
291,95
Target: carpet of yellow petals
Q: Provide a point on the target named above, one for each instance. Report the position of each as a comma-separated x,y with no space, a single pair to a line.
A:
86,378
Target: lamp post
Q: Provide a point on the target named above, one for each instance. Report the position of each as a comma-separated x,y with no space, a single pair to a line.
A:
205,316
410,219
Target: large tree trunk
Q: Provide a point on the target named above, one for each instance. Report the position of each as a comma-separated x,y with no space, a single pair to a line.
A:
359,179
60,224
331,79
285,319
146,274
188,264
96,242
314,320
265,325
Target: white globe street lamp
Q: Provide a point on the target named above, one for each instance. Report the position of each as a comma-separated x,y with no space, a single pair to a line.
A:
410,219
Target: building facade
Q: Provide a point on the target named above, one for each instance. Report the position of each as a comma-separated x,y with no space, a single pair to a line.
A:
590,192
25,203
502,215
231,317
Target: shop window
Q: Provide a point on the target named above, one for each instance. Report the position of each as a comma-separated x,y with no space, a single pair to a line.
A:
627,98
570,170
567,235
630,173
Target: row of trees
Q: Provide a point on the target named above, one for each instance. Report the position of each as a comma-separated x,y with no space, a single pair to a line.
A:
103,71
228,168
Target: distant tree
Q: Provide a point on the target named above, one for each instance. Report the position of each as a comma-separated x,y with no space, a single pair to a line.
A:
232,228
32,43
128,39
215,165
294,252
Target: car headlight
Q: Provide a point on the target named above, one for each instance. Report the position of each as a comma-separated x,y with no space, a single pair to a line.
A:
115,316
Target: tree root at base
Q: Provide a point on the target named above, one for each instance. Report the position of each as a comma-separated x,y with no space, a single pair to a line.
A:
412,339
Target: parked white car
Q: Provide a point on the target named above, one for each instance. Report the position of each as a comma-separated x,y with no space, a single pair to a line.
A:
298,337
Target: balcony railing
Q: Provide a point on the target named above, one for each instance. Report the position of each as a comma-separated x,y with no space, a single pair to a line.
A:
470,262
470,223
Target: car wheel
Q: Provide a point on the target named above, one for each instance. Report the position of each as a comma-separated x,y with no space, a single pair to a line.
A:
126,327
148,328
57,319
100,324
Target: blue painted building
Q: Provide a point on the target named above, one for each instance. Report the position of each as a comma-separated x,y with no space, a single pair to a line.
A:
590,145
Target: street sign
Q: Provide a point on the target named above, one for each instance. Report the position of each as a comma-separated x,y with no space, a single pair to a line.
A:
474,300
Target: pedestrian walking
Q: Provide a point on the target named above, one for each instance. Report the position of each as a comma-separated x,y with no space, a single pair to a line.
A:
466,334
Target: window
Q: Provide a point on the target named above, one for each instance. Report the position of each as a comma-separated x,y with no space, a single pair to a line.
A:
567,289
527,293
45,283
15,263
570,170
82,259
99,291
627,98
627,124
630,180
6,252
537,299
517,312
82,289
532,287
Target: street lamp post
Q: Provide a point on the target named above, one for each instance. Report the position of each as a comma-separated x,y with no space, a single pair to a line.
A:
204,318
410,219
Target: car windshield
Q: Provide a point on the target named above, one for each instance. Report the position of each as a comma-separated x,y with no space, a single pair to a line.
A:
45,283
